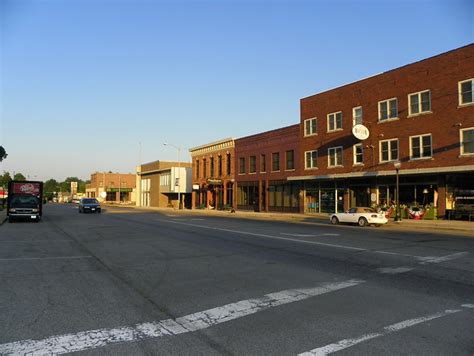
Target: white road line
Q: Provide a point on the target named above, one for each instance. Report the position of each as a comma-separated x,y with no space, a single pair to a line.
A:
431,259
346,343
43,258
92,339
394,270
298,235
264,235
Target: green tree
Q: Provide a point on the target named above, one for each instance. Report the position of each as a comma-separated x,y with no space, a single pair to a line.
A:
5,178
19,176
49,187
3,153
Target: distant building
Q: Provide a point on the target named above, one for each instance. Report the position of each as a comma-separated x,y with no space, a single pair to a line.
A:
159,182
213,174
112,187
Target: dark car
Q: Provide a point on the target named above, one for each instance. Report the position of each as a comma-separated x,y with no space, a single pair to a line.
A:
89,205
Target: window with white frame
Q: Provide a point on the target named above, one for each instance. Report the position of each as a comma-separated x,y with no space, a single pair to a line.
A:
419,102
311,126
420,146
466,92
335,121
388,109
467,141
335,156
311,159
389,150
357,115
358,153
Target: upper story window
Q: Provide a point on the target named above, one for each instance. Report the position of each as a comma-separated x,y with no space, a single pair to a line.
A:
242,165
389,150
275,161
290,159
388,109
263,163
311,159
204,167
467,141
310,127
335,121
466,92
219,166
335,156
229,164
419,102
197,169
420,146
252,164
358,151
357,115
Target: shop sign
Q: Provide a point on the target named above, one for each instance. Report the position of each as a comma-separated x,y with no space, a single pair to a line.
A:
195,186
214,181
360,132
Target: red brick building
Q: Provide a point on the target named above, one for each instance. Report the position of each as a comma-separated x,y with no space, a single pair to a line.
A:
264,162
213,174
421,115
117,187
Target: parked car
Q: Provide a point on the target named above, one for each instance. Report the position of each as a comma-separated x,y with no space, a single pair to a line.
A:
89,205
362,216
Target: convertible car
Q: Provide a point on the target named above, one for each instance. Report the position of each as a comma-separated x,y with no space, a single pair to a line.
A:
362,216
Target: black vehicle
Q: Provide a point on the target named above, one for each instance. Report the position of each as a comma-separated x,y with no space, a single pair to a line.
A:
89,205
25,200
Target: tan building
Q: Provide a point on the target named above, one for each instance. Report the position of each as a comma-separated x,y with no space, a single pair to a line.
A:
159,183
213,174
111,187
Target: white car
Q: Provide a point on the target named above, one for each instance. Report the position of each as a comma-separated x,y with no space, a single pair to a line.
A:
362,216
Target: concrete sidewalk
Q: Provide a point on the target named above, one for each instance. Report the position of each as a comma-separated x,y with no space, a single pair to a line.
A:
465,228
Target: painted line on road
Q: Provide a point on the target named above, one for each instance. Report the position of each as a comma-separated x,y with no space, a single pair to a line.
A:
346,343
453,256
308,235
394,270
87,340
43,258
263,235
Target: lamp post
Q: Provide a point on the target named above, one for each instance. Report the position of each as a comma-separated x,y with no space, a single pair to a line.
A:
398,217
179,172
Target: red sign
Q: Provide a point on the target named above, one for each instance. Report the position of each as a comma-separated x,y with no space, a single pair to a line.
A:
26,188
3,193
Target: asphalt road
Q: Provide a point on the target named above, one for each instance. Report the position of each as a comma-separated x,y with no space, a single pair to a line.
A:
130,282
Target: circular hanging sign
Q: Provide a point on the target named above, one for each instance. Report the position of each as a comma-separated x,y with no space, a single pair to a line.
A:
103,195
360,132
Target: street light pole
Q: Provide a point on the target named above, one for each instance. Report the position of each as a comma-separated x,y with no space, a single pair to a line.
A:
398,217
179,172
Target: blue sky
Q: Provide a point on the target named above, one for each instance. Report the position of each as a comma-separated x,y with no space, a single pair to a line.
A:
83,82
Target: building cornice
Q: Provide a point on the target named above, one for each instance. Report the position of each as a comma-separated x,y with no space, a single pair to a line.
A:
212,147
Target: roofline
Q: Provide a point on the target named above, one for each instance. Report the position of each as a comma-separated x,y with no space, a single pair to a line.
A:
388,71
211,144
269,131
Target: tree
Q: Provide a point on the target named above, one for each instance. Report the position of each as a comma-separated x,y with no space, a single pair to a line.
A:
4,179
49,187
19,176
3,153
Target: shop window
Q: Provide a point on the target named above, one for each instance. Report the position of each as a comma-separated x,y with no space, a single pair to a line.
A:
357,115
310,127
389,150
263,167
467,141
252,164
335,156
311,159
466,92
388,109
420,147
335,121
420,102
242,165
290,159
358,154
275,161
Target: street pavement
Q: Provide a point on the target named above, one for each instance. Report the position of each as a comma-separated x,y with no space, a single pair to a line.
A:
160,282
